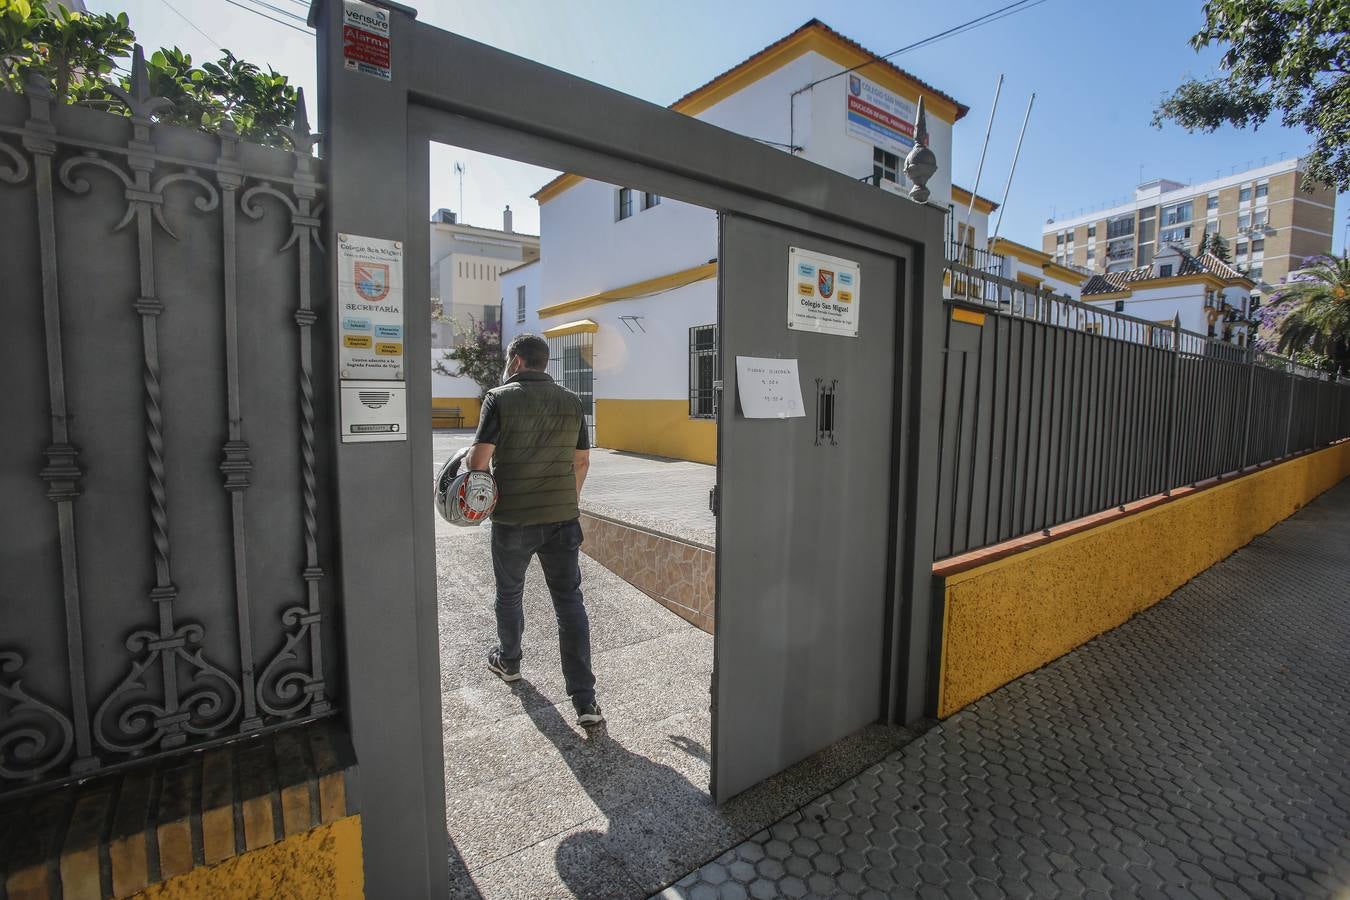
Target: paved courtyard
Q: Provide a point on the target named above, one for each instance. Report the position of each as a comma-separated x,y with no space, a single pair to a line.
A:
665,495
1200,750
538,807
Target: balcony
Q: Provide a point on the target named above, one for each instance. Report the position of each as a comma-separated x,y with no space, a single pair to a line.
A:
975,257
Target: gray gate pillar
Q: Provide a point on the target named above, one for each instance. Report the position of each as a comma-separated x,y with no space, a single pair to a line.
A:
386,559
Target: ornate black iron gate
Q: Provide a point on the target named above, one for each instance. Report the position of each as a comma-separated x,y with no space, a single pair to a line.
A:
164,537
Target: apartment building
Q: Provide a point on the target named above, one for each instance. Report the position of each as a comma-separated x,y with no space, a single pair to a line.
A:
467,262
1270,223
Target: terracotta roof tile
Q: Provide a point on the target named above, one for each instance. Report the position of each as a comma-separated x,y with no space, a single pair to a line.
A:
1206,263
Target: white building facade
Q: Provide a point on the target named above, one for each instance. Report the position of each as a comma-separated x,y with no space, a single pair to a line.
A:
467,262
626,285
1209,296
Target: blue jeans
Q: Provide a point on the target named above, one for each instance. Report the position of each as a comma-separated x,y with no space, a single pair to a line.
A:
556,545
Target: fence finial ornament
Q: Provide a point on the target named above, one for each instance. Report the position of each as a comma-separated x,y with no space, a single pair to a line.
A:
298,133
142,103
921,162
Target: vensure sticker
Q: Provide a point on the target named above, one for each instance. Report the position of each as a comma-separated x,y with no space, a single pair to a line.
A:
365,38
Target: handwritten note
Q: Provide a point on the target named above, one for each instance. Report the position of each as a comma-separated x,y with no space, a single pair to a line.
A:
769,388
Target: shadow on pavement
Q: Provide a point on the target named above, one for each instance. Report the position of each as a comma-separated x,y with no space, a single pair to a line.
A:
633,792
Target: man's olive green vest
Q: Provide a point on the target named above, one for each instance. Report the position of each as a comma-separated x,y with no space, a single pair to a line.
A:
540,422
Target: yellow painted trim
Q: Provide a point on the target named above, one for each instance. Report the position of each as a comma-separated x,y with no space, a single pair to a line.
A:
581,326
1064,273
1030,280
323,863
1015,614
556,187
629,291
1026,254
816,38
469,407
961,196
1043,261
657,428
1110,295
968,316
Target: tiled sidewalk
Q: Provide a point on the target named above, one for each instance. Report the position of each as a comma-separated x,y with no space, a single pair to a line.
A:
1200,750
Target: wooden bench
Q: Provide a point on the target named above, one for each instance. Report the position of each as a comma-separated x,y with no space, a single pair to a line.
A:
453,414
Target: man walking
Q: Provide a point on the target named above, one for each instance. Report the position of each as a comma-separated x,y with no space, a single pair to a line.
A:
533,432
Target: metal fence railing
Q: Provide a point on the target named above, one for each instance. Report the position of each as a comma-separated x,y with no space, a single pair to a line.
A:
1054,409
571,363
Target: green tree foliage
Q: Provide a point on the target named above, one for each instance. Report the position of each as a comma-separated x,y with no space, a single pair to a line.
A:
1311,312
78,50
81,52
478,357
1218,247
1285,57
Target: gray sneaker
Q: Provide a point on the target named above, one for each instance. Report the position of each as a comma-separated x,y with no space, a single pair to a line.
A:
506,671
590,715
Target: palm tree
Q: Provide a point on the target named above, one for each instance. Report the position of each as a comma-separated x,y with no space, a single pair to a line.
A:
1316,306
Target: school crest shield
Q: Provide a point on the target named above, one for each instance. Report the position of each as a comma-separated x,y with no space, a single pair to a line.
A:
372,280
854,85
825,282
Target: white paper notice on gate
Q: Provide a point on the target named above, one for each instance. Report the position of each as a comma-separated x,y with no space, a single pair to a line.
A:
370,293
769,388
824,293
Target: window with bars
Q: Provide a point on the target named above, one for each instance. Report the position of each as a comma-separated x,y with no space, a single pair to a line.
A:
649,200
625,202
704,372
520,304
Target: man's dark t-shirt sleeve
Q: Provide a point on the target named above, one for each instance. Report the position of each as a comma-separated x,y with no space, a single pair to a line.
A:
584,438
489,422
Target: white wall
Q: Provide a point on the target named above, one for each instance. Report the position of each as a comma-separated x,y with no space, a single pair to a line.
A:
1163,303
448,385
650,362
586,250
527,276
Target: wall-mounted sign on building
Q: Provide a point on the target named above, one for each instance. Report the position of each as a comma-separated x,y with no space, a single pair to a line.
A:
370,294
365,38
877,116
824,293
371,339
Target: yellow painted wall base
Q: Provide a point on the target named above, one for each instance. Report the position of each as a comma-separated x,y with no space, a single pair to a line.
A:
1015,614
321,864
468,406
657,428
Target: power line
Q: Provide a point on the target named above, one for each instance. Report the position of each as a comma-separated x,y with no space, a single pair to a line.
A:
191,24
279,10
993,16
264,15
987,18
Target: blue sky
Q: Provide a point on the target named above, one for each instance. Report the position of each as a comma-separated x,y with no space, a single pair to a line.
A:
1098,68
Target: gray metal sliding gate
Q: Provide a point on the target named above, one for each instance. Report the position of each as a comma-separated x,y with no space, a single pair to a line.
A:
851,641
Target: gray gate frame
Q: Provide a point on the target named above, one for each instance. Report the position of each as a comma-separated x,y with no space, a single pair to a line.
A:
377,133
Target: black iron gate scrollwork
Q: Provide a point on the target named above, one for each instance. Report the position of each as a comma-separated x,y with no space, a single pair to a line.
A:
223,657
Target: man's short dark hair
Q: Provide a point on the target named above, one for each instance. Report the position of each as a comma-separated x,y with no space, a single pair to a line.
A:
531,349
